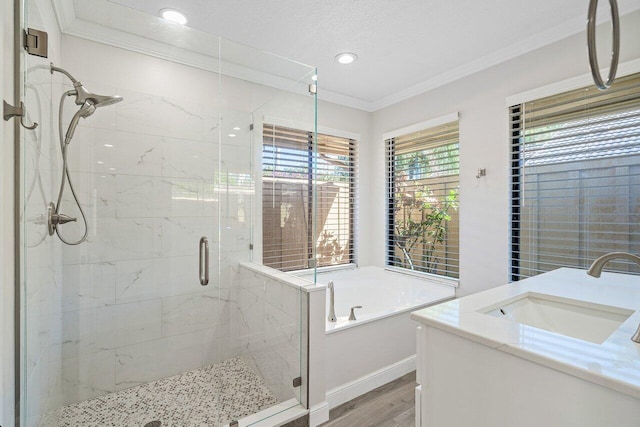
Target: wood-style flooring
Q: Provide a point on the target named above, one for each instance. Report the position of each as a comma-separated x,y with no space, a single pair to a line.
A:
391,405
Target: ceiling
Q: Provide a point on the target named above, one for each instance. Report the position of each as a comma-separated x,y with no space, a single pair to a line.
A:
405,47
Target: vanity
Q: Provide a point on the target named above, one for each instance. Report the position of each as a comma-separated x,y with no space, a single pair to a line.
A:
551,350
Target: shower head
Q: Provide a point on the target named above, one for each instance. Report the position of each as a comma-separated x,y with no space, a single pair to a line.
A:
83,96
88,102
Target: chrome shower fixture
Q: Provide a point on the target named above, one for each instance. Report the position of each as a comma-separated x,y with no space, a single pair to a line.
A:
88,103
83,95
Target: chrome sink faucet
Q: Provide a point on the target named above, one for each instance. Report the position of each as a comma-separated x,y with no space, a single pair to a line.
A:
596,270
332,308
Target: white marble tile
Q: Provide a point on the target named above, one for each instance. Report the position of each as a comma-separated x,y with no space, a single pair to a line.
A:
181,235
96,194
140,363
218,345
183,158
153,115
181,275
117,239
88,285
125,324
185,197
186,313
110,151
140,280
251,313
88,375
141,197
78,332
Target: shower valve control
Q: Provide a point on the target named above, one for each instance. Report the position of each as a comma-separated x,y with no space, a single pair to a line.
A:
54,219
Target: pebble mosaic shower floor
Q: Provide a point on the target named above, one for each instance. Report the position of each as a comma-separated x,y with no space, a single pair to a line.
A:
209,396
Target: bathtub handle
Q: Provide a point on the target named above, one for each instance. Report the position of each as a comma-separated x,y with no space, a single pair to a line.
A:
352,316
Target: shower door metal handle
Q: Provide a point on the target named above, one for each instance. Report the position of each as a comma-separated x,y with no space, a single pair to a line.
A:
204,261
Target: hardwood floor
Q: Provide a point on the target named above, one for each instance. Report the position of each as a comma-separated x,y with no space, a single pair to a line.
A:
391,405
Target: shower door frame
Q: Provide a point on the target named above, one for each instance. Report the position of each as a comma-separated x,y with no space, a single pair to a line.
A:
17,171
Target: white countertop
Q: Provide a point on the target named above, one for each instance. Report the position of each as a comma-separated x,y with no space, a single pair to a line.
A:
614,364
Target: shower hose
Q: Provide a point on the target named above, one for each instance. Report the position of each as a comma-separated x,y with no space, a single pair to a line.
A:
64,144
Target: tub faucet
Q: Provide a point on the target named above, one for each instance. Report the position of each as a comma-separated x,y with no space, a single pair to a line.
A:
596,269
332,308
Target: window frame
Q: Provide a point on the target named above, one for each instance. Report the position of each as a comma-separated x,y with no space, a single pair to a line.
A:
312,157
389,216
515,112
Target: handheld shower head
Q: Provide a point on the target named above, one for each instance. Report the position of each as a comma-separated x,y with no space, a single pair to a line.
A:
85,111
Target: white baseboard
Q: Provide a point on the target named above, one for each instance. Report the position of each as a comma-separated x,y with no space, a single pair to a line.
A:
346,392
319,414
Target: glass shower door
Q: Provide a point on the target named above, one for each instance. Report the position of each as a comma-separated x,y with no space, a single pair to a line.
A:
121,326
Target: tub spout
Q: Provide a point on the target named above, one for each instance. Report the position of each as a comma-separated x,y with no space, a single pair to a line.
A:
332,308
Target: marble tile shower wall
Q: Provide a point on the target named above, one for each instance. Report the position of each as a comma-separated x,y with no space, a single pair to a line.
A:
270,329
146,171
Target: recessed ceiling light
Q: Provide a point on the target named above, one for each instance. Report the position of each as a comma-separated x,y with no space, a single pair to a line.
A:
100,162
108,145
236,128
314,77
232,135
346,57
112,169
173,16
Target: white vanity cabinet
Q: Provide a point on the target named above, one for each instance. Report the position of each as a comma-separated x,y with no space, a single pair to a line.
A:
476,369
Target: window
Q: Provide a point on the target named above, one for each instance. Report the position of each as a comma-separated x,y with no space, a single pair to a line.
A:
575,179
292,191
422,200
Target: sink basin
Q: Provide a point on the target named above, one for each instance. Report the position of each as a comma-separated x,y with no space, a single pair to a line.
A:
577,319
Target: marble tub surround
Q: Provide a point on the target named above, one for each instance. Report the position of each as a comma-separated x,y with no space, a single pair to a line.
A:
614,364
270,326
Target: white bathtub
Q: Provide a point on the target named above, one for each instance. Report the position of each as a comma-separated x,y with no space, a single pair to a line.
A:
381,344
380,292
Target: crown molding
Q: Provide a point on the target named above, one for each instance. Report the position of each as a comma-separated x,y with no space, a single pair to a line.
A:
65,13
71,24
514,50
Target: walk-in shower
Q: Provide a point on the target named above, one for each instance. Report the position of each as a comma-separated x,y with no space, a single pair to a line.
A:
120,327
88,103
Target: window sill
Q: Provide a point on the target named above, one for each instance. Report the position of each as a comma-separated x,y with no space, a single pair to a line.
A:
426,276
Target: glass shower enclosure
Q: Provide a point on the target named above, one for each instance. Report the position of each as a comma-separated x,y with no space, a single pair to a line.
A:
151,318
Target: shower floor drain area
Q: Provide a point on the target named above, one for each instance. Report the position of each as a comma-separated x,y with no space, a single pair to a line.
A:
211,396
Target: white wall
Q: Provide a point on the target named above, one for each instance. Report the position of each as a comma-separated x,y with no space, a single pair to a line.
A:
481,101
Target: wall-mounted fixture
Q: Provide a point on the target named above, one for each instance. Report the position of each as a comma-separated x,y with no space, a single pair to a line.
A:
591,44
346,57
173,15
481,173
9,111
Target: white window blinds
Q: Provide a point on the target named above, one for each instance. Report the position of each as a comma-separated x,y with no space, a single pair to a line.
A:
295,183
422,200
575,179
